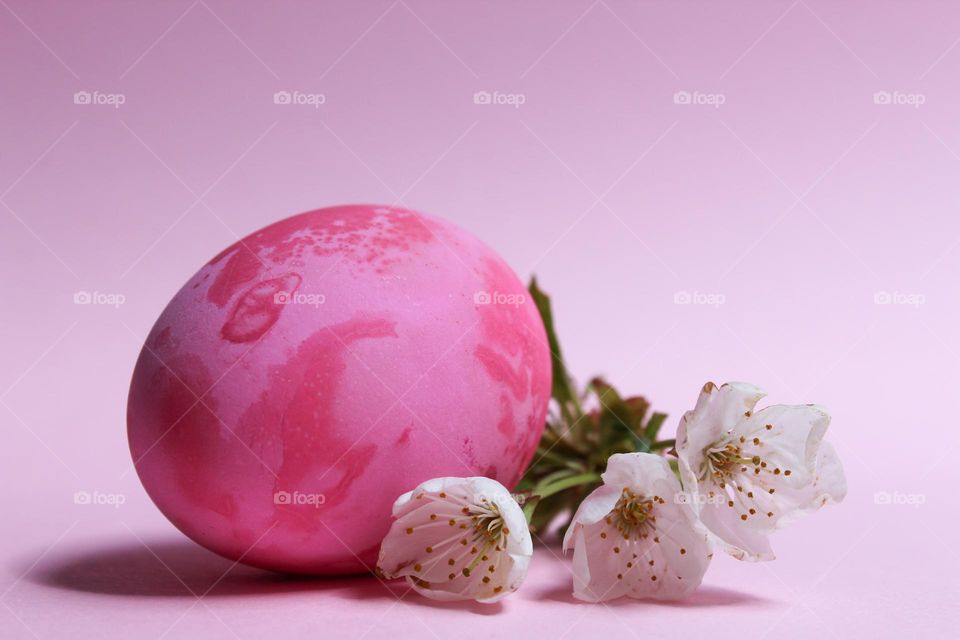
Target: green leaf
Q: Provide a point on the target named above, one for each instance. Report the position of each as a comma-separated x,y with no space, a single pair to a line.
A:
563,391
653,427
638,407
617,424
547,489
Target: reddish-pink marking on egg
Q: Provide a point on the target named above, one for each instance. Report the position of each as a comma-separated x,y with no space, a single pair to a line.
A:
404,436
192,439
242,267
500,369
304,411
259,307
506,425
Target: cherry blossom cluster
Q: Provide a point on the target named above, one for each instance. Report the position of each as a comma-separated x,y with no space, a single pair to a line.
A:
648,527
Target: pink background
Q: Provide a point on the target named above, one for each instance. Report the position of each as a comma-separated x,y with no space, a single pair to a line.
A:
799,205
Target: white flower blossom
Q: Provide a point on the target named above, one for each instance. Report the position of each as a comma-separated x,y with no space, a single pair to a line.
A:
749,473
636,535
458,539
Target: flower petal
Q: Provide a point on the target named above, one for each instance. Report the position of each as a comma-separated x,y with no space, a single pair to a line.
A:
635,470
435,485
594,508
742,542
831,481
829,485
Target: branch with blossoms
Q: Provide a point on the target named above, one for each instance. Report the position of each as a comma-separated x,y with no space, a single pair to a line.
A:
577,442
640,513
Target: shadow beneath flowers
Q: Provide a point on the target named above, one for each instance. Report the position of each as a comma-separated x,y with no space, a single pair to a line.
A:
703,597
394,590
720,597
170,569
182,569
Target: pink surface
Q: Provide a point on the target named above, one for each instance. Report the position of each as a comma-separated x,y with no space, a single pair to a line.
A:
801,233
324,365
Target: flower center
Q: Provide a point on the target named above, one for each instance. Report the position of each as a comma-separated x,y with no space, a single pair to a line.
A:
633,514
724,461
490,534
489,525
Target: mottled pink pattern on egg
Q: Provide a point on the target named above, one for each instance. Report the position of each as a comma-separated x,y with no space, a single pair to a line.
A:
348,353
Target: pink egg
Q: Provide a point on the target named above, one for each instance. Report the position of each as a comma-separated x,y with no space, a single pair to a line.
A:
317,369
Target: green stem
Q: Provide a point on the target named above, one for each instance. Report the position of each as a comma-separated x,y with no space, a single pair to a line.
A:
556,475
550,455
560,485
529,507
663,444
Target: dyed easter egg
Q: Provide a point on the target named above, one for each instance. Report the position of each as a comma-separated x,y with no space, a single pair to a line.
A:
317,369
